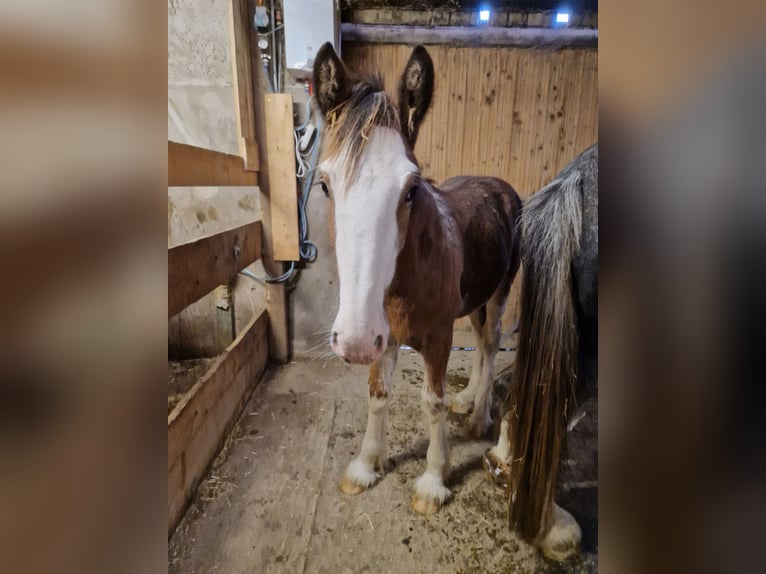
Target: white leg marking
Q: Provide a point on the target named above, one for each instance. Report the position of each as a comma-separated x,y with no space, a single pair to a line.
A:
368,466
430,491
502,450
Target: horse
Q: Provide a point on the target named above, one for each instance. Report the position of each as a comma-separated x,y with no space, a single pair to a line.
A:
557,357
411,257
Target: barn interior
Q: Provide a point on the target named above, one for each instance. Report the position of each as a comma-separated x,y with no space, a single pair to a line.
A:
262,418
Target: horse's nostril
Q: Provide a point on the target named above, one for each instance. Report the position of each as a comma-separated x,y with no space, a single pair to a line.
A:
378,342
334,337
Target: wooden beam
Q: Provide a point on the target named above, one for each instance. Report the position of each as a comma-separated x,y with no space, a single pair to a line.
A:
471,36
198,425
239,28
198,267
192,166
283,188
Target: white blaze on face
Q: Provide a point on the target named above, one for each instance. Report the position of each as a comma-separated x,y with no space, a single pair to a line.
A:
367,241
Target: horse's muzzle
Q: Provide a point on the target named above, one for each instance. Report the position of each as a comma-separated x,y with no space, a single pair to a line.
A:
358,350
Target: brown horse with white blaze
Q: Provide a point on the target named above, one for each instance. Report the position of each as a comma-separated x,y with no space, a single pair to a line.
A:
412,257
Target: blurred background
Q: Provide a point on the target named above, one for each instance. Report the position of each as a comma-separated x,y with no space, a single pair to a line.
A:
681,268
83,242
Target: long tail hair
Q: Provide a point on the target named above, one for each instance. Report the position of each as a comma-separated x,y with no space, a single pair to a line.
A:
546,364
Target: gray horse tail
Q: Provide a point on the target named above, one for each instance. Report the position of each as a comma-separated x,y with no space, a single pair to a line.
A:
546,364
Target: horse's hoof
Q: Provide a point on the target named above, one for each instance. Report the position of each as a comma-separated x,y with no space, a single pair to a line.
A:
563,539
430,494
461,405
348,486
358,477
425,505
496,470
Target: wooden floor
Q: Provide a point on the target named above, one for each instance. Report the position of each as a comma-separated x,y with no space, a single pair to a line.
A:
272,503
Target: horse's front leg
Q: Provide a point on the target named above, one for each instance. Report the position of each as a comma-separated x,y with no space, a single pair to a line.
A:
368,467
430,490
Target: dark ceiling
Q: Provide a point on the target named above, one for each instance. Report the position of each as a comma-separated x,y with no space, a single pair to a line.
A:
516,5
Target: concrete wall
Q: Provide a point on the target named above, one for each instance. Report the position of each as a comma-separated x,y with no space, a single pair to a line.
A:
201,112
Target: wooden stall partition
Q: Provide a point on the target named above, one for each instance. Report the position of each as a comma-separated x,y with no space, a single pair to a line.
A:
199,424
190,166
197,267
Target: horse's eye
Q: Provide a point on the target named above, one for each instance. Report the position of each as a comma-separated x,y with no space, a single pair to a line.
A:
411,194
324,189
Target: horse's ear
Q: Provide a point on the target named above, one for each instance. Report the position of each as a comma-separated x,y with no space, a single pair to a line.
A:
415,90
332,82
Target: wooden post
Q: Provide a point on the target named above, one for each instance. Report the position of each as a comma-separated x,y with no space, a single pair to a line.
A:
240,22
226,324
251,87
280,150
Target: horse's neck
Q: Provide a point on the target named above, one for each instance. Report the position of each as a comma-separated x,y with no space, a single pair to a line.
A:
432,252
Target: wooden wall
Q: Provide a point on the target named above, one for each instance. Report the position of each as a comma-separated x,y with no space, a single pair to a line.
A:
515,113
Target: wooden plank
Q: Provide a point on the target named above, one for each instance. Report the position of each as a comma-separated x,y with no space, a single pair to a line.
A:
198,267
239,28
200,422
276,297
280,144
195,166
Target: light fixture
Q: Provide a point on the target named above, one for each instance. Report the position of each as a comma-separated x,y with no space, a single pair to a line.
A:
562,17
484,15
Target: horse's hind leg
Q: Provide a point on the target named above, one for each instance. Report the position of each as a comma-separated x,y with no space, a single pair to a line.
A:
463,402
368,467
497,460
481,420
430,490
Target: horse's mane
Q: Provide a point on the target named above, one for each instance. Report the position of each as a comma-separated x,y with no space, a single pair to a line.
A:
368,107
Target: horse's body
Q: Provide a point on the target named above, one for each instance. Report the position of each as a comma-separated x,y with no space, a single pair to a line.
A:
412,258
557,355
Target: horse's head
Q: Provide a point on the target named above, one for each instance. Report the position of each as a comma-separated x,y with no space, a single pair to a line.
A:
369,173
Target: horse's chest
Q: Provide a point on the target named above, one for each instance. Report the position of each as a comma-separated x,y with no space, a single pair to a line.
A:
413,319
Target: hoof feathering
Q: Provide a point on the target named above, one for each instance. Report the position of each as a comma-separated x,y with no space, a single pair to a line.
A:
358,477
